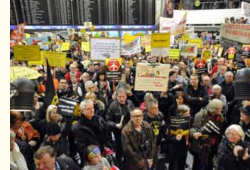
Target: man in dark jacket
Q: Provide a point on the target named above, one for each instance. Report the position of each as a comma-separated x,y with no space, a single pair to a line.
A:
227,86
196,95
45,158
117,116
138,143
90,129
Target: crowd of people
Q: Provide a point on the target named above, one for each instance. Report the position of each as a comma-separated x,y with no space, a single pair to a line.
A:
117,127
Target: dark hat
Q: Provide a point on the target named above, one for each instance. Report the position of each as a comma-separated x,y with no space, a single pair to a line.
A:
52,128
246,110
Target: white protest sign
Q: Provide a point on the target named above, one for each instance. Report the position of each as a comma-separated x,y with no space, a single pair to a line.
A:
102,48
131,48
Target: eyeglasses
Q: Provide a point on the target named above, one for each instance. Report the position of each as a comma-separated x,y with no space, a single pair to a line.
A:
136,116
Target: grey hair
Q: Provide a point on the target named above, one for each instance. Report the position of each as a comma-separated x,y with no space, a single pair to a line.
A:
88,84
216,87
136,110
121,90
12,135
237,128
229,73
214,104
183,109
84,103
148,96
151,102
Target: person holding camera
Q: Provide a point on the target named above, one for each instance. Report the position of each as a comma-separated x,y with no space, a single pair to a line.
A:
233,152
138,143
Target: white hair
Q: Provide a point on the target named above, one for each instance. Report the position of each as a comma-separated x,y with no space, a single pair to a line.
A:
228,73
84,103
88,84
215,104
237,128
216,87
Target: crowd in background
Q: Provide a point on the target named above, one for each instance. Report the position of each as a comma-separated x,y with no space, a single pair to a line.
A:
118,127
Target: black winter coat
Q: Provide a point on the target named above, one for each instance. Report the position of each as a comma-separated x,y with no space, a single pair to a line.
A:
192,98
227,160
67,163
87,132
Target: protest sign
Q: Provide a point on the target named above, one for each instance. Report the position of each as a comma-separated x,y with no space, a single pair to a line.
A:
160,40
131,48
66,107
113,68
206,55
23,72
174,54
150,77
65,46
102,48
189,50
245,8
236,32
27,53
231,52
85,46
220,51
160,43
197,41
179,125
55,58
129,38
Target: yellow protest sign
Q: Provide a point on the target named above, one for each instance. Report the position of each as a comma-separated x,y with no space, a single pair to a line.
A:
85,46
174,54
23,72
27,53
92,28
160,40
83,31
55,58
231,56
186,37
139,34
148,48
129,38
206,54
31,63
65,46
27,36
197,41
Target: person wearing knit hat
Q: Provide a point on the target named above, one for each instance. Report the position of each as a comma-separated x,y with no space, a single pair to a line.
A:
245,121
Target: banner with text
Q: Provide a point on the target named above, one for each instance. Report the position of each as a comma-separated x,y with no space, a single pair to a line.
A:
151,77
236,32
102,48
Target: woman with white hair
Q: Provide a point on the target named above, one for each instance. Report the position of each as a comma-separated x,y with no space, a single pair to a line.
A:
229,150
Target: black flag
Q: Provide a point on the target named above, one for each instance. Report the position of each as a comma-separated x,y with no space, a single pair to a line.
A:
50,93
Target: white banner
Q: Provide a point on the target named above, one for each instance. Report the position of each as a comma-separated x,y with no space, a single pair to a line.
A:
236,32
131,48
245,7
102,48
